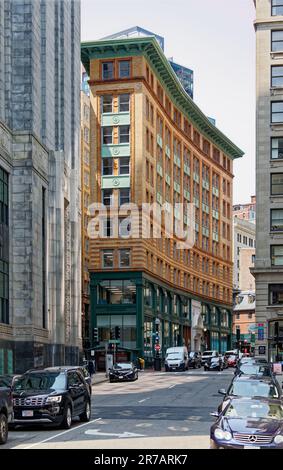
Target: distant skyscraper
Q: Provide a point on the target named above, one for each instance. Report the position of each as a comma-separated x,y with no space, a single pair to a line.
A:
40,275
185,75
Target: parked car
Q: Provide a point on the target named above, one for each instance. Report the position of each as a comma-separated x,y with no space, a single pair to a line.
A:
8,380
83,370
250,386
215,363
248,423
194,359
208,355
232,352
123,371
51,396
224,361
261,370
232,361
176,359
6,412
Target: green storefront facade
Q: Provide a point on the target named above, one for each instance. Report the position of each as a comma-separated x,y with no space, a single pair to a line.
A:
139,305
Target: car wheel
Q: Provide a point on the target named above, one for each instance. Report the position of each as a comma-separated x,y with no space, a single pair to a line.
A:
85,416
205,368
3,428
67,419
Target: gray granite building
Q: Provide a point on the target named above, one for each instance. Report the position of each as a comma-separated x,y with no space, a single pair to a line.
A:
268,268
40,265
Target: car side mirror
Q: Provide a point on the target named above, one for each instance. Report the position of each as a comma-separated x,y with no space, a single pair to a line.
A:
215,414
222,391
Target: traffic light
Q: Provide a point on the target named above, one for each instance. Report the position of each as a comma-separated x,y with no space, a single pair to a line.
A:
112,333
117,332
95,335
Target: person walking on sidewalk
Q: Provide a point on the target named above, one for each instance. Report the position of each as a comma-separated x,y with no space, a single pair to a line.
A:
141,363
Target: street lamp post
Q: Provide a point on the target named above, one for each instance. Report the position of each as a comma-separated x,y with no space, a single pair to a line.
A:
157,360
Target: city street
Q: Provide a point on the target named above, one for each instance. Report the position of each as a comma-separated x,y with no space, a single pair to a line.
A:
160,410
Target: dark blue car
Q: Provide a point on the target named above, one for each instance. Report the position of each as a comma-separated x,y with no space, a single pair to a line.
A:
248,423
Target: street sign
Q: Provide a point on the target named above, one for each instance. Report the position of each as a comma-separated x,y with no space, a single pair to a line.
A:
92,352
114,341
157,347
262,350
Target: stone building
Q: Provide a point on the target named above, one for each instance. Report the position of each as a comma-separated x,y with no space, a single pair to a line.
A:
40,272
150,143
243,253
268,270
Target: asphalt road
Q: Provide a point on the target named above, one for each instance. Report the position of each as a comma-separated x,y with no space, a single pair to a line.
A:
160,410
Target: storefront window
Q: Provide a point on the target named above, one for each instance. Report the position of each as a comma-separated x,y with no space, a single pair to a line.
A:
214,341
275,342
204,314
148,296
177,305
116,292
127,324
214,316
224,319
148,331
166,335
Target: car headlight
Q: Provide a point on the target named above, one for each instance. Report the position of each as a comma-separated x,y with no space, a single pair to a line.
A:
56,399
219,434
278,439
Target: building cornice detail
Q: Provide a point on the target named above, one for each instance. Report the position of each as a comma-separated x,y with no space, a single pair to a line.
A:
150,49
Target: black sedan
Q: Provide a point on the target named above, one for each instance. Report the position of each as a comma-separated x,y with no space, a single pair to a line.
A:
123,371
248,423
250,386
194,359
215,363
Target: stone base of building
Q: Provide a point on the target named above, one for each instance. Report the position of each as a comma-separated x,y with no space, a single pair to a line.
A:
19,356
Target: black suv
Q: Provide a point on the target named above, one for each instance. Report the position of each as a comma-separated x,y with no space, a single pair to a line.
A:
6,412
51,396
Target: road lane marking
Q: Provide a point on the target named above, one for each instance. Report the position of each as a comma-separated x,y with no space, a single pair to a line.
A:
96,432
172,386
61,433
141,401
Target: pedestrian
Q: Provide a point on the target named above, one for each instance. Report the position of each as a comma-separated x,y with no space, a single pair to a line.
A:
141,363
91,368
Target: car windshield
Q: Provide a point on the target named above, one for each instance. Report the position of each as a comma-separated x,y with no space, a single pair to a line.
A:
254,409
85,372
231,358
174,356
255,369
123,365
214,359
207,353
253,389
41,381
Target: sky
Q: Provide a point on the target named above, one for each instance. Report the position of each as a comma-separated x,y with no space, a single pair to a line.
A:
216,39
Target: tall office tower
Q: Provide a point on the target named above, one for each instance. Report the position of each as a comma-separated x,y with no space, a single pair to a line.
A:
40,266
268,269
85,202
150,143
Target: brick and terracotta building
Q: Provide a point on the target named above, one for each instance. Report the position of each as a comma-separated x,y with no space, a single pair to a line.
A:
151,143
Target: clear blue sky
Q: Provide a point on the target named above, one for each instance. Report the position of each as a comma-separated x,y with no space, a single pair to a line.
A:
213,37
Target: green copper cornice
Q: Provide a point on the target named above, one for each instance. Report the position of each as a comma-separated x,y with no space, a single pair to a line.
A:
150,49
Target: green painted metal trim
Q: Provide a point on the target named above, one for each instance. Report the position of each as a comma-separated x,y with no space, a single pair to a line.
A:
150,49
